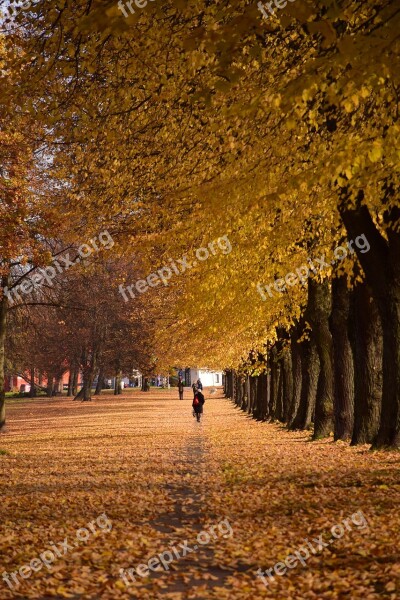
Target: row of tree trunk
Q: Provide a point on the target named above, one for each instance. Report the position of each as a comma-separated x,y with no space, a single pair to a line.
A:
338,369
326,373
54,385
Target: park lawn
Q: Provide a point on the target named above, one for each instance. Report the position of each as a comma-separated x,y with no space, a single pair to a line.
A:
140,465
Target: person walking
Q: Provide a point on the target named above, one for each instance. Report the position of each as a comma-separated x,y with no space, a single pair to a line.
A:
180,388
199,385
198,403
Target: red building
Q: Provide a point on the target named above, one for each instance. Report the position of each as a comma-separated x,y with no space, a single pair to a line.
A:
16,383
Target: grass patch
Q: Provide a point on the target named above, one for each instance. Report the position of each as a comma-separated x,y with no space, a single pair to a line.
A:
3,452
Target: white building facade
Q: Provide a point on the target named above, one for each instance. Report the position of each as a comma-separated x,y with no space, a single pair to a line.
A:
208,378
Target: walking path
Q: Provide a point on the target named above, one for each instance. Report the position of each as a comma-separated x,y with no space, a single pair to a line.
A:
214,502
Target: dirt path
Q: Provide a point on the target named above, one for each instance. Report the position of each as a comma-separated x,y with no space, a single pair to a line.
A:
230,494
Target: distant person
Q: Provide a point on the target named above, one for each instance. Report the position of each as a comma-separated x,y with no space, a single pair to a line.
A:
199,385
198,402
181,387
194,388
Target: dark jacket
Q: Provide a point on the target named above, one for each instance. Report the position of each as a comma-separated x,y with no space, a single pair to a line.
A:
198,408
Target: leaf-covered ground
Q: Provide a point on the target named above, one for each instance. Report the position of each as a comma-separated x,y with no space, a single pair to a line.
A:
161,478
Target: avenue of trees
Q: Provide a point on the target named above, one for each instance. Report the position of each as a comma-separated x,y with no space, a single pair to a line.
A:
186,122
325,373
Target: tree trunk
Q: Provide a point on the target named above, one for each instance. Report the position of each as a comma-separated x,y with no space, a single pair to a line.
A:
262,397
285,387
366,342
389,428
318,312
3,333
70,381
279,401
58,387
253,381
235,387
343,402
381,264
240,393
75,380
69,391
117,385
85,394
88,362
309,381
229,384
296,373
100,382
247,393
32,392
274,368
50,385
226,384
287,383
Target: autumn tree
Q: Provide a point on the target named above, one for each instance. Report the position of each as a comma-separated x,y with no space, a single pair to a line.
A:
280,134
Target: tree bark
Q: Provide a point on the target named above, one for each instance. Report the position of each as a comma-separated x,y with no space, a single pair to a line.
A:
279,401
262,397
58,386
240,391
70,380
32,392
366,342
117,384
50,385
87,388
287,384
235,387
238,387
88,361
275,372
229,384
318,312
253,381
85,393
309,381
343,402
296,373
75,380
100,382
381,266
